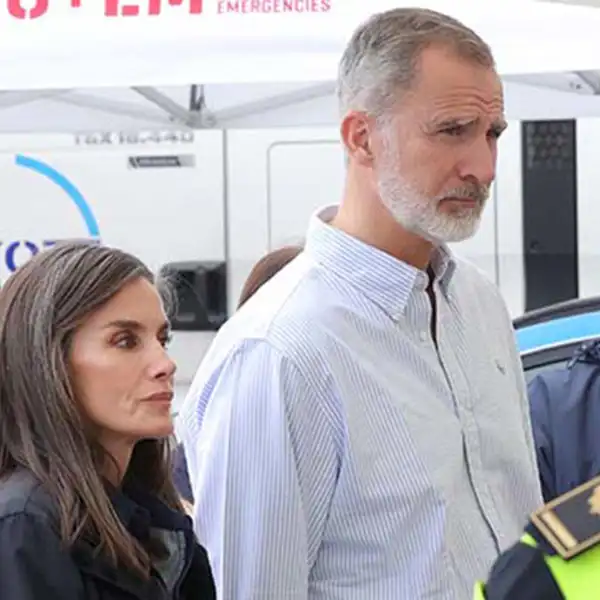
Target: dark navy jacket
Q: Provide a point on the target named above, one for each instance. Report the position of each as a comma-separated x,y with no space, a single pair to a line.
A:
565,414
34,564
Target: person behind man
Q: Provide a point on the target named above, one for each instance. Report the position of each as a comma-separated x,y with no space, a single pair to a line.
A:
87,506
266,268
359,429
558,556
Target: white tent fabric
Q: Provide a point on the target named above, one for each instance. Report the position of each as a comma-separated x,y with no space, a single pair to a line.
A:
72,43
255,63
595,3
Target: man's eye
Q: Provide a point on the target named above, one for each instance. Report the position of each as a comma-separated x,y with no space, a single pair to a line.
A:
495,133
455,130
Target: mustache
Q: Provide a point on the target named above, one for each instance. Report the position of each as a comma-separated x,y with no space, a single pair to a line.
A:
478,193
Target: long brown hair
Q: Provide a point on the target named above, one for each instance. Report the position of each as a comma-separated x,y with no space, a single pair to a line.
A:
41,426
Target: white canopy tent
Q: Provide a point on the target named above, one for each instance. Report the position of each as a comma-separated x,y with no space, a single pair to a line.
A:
594,3
242,55
66,47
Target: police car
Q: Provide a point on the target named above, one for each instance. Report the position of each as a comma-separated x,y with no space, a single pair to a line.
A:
548,337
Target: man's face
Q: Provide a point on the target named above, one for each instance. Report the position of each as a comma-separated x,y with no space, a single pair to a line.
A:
435,157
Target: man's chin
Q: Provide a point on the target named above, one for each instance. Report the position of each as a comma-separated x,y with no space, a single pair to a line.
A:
452,234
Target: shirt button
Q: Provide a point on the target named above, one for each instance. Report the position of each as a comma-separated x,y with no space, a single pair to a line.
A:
423,336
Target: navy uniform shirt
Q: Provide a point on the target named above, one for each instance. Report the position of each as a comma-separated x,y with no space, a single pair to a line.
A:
565,417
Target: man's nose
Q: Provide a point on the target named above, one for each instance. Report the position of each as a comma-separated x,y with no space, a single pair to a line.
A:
480,162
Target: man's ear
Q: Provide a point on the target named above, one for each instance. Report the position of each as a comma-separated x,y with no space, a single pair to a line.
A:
356,136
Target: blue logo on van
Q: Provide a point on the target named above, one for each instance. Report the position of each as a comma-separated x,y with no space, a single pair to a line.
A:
67,186
37,166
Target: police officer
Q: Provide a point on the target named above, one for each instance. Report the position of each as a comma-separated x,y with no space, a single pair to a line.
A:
565,416
558,557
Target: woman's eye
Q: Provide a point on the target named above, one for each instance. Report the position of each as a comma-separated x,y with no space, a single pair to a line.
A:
126,341
165,340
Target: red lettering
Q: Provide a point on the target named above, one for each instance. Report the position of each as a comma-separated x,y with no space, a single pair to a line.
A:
130,10
195,6
16,10
113,8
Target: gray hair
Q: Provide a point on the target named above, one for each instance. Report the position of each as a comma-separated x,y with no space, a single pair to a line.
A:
382,57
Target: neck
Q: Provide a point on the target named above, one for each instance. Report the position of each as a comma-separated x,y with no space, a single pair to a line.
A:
366,219
117,460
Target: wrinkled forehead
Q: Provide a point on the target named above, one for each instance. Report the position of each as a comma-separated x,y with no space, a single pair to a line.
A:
450,86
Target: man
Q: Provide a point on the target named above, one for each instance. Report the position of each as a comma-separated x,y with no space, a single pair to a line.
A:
359,429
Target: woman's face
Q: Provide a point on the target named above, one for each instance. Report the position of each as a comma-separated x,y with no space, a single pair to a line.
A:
121,372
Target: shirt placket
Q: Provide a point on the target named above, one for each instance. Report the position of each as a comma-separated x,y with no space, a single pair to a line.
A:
448,339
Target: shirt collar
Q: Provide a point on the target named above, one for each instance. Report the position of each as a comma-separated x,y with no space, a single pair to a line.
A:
387,281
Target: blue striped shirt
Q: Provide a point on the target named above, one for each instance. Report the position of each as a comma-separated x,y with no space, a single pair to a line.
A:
337,453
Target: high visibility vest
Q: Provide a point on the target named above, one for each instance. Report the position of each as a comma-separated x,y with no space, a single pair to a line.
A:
479,591
577,579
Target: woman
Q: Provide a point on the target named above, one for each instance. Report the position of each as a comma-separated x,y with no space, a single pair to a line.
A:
87,507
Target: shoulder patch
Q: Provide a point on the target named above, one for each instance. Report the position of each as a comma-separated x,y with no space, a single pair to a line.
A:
571,522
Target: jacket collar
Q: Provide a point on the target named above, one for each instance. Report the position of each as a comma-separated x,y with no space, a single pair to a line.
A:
139,512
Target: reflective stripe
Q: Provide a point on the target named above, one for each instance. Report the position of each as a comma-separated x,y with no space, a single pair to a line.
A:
479,591
578,578
528,540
